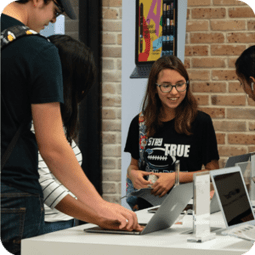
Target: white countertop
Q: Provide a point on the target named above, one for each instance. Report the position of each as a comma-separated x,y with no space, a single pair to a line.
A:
75,241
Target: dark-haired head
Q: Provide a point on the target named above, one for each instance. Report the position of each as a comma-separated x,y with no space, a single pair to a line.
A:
152,106
79,73
245,64
245,70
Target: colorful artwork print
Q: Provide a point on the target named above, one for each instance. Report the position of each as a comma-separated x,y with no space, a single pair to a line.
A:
150,30
156,29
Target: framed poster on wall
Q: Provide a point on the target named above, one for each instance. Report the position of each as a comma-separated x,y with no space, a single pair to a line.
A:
155,33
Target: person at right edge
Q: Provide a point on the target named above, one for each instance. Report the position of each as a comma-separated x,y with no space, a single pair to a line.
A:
32,89
172,129
245,70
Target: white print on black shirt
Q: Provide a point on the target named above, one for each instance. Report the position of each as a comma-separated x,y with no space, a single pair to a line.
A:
160,156
155,141
179,150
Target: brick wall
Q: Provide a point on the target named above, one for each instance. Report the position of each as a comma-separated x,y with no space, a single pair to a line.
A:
111,101
217,32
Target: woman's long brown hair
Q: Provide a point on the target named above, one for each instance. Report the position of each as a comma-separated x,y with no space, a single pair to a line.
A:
185,113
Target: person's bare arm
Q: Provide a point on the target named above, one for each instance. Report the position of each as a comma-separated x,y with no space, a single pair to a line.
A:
188,176
61,160
75,208
72,207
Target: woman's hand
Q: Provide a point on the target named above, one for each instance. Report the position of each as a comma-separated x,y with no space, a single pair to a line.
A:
137,178
164,183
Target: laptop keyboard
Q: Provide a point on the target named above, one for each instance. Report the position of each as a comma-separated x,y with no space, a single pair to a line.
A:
141,72
246,232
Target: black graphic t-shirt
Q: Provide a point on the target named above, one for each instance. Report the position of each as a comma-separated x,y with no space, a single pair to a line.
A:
167,146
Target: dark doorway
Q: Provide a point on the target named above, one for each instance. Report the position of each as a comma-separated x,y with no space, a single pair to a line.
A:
90,144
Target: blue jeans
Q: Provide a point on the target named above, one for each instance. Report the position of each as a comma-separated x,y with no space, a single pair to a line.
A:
58,225
22,216
131,200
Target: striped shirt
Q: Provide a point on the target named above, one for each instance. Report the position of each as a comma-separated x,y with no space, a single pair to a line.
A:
53,190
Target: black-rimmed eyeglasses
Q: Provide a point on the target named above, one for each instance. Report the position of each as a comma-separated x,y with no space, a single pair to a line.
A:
167,87
60,10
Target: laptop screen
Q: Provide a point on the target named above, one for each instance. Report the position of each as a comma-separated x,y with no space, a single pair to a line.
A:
155,30
237,159
233,198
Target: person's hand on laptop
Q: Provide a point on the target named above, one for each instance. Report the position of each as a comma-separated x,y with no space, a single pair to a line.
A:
164,183
137,178
115,216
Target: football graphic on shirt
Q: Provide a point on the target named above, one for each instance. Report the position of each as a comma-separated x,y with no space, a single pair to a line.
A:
156,158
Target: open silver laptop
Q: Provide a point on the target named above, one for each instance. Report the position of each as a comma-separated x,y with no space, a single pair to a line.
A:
231,162
165,216
234,202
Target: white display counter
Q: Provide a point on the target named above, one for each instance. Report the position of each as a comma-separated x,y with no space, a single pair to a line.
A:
75,241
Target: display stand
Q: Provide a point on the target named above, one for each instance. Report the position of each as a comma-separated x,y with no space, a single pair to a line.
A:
252,187
177,172
201,208
248,172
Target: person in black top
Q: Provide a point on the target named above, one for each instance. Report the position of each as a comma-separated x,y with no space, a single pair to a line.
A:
245,70
175,130
32,89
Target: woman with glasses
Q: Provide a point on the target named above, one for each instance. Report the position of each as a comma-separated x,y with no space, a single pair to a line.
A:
169,129
245,70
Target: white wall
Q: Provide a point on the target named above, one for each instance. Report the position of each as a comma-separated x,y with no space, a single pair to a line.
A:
56,28
133,89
